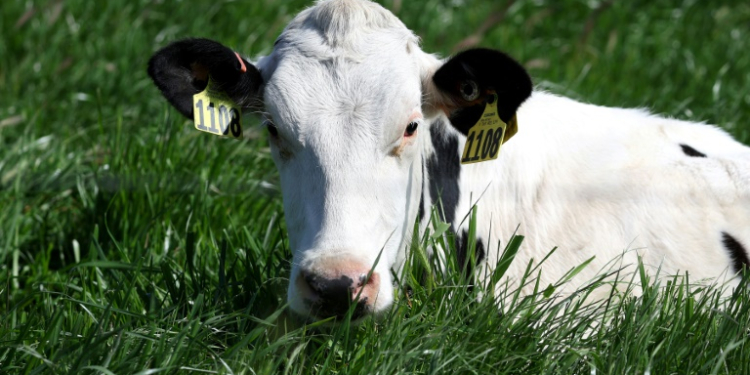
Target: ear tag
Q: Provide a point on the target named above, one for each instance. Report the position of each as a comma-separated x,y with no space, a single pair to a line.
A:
216,113
487,135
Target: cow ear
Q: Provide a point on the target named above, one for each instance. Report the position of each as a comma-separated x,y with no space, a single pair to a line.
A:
466,82
181,70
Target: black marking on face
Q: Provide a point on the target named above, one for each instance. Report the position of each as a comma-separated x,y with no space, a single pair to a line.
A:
462,252
444,168
737,252
689,151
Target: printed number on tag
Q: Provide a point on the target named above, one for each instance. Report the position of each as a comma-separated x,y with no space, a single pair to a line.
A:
485,137
214,112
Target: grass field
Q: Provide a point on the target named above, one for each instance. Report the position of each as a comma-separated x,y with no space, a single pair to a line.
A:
130,243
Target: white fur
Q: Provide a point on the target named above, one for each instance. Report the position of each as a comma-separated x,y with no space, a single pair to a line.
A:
605,182
341,85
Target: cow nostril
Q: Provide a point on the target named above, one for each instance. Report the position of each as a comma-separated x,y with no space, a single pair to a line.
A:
367,282
366,279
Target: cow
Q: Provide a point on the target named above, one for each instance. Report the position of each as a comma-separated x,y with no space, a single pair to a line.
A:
368,132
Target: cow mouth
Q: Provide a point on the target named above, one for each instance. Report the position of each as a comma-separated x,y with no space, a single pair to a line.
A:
321,311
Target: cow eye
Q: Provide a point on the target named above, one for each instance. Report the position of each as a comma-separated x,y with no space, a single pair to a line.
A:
272,129
411,129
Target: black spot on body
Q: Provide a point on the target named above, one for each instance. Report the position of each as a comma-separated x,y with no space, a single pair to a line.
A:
737,252
462,252
689,151
421,205
444,168
421,195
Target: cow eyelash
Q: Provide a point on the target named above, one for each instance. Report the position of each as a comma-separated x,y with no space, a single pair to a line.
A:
411,129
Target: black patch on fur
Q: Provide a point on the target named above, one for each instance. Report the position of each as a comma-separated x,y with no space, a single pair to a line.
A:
462,252
689,151
444,168
737,252
180,71
421,195
491,70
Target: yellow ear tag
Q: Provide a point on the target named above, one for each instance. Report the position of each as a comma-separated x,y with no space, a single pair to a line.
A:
487,135
216,113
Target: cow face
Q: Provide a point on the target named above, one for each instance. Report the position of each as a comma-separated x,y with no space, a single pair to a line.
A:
348,98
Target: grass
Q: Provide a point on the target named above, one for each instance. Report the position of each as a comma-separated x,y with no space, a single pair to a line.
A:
130,243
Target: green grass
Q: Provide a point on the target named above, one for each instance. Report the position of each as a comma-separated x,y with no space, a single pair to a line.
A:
130,243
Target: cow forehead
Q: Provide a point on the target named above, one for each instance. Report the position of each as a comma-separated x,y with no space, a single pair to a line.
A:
326,68
302,91
341,23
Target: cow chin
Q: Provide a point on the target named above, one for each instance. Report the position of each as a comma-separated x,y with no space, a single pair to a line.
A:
338,287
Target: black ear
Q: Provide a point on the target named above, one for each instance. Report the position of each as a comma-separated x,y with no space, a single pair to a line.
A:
181,70
467,80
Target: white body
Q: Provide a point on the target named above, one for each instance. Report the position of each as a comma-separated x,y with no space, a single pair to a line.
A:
609,182
346,77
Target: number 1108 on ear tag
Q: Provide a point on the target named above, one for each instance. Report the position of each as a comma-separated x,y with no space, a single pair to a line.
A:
485,137
216,113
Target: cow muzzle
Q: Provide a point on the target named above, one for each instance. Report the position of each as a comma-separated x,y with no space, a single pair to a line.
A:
332,289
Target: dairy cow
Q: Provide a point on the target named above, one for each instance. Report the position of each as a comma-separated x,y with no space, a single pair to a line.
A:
368,133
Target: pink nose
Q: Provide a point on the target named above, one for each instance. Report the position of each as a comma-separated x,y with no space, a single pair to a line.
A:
333,290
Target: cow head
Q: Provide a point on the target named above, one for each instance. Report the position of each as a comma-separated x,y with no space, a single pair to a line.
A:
349,100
